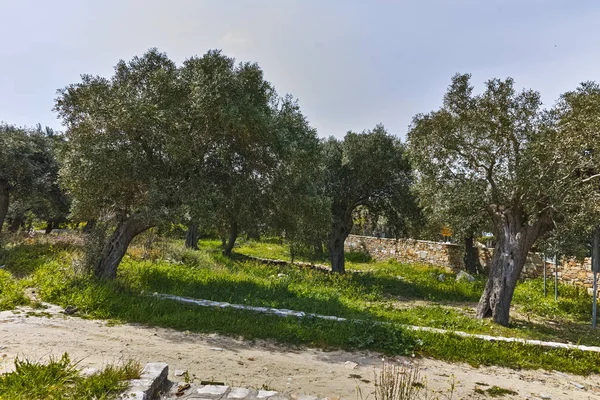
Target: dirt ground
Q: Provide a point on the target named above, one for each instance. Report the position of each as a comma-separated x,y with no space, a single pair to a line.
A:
37,335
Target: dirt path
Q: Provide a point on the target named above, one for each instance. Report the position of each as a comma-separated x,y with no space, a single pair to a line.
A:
254,364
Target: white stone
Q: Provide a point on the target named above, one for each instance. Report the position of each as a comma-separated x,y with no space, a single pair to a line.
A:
214,390
578,385
350,365
545,396
216,349
179,372
238,393
462,275
306,397
263,394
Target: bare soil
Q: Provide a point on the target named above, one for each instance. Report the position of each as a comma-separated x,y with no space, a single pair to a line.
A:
39,334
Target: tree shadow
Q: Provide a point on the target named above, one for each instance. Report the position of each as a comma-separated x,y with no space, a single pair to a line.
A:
238,289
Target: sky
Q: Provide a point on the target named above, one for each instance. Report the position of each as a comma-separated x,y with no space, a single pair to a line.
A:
352,64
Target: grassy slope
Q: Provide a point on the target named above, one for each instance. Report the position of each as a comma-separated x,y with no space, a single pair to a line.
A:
371,296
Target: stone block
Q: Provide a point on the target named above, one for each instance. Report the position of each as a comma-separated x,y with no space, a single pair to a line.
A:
264,394
152,378
238,393
212,391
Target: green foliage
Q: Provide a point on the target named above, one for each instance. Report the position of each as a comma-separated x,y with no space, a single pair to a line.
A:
370,169
120,134
29,176
60,379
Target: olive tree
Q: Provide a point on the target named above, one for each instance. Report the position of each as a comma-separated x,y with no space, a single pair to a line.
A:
301,210
120,164
28,175
16,170
231,106
367,169
498,154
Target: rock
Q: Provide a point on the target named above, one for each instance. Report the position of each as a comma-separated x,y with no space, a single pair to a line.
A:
70,310
238,393
545,396
350,365
153,377
441,277
213,390
281,275
216,349
462,276
263,394
179,372
578,385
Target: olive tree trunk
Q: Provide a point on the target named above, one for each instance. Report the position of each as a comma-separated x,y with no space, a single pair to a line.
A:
471,259
17,222
233,234
514,241
191,237
340,229
4,198
117,245
50,226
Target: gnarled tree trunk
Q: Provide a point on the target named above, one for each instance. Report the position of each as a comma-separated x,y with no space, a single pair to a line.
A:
472,264
191,237
117,245
17,222
4,198
318,249
514,240
233,234
50,225
340,229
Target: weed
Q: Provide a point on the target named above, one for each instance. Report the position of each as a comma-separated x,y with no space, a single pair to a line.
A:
496,391
398,382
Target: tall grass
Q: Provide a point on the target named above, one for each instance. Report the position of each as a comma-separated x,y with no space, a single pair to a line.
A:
61,379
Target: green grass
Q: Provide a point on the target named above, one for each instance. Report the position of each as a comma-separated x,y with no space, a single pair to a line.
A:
390,292
61,379
11,292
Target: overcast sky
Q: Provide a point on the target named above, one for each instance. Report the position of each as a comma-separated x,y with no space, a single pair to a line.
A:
352,64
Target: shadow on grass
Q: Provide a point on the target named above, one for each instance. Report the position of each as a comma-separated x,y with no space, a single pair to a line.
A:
24,259
423,286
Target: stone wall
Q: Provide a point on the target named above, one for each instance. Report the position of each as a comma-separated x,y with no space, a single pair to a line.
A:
451,255
409,250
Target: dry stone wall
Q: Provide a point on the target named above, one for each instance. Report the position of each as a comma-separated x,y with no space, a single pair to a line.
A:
450,256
